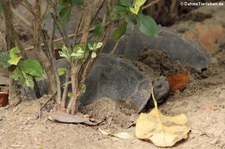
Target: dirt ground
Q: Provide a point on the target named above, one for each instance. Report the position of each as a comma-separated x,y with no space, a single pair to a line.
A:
203,102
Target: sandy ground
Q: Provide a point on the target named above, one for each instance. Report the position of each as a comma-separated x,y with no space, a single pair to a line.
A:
203,102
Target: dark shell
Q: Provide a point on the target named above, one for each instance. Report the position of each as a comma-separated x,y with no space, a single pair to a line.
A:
168,41
117,78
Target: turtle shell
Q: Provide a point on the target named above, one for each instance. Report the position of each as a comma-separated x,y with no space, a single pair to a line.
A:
177,48
116,78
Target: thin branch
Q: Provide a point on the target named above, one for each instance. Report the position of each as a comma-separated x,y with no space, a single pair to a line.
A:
28,6
97,12
59,25
47,100
53,61
69,36
65,90
150,4
115,46
22,19
103,38
77,29
46,9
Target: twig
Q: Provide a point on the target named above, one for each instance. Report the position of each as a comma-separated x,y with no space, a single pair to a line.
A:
14,110
28,6
115,46
97,12
46,10
78,27
44,104
150,4
69,36
22,18
48,99
103,38
53,59
59,25
65,89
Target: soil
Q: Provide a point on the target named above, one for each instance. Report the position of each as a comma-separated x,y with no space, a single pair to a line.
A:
202,101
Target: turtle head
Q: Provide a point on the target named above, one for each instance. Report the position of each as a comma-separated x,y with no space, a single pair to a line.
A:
161,89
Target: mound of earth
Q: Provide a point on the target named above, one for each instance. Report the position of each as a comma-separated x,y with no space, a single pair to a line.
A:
114,113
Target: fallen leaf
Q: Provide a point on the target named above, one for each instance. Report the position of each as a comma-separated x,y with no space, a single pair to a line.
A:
121,135
163,131
178,81
63,117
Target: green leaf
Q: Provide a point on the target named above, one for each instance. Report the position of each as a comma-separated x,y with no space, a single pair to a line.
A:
14,60
130,22
33,68
78,2
125,2
98,45
93,46
118,12
139,3
62,54
65,53
93,54
147,25
17,74
4,57
137,6
61,71
13,52
90,45
29,81
64,14
120,31
98,30
134,10
79,52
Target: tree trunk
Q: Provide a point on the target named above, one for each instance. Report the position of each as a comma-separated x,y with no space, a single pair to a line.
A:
10,41
42,58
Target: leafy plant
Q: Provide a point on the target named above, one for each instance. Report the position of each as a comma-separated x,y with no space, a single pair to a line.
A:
79,53
25,69
133,16
4,57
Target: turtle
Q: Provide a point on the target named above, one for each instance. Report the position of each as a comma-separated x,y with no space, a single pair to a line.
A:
177,47
118,78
